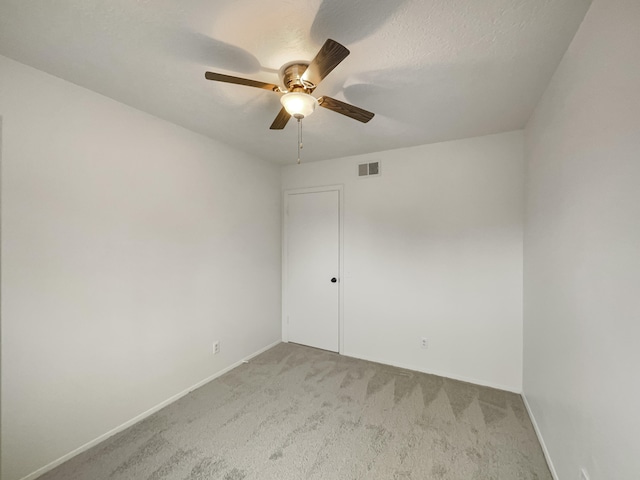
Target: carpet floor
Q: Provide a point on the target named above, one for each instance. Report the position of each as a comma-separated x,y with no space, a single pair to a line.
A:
295,413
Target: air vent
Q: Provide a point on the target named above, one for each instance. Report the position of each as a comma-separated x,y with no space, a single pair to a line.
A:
369,169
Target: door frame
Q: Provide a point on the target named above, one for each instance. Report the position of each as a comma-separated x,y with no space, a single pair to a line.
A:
285,224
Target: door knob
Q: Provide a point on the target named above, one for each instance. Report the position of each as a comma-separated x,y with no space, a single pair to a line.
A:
334,280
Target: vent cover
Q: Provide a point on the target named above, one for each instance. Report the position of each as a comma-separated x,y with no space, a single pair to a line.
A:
369,169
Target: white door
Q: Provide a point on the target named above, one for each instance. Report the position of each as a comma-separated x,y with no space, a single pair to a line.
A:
313,265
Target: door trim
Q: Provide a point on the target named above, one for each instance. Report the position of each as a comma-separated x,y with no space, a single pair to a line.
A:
285,219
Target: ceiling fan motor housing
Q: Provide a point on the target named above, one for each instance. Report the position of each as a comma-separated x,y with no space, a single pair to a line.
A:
291,75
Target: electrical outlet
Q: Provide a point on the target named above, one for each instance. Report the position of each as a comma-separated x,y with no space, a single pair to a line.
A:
216,347
424,343
583,474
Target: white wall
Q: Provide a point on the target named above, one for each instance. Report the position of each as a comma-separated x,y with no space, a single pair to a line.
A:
128,245
582,251
433,247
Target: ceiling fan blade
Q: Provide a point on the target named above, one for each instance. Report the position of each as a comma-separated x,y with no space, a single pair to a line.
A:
328,58
219,77
347,109
281,120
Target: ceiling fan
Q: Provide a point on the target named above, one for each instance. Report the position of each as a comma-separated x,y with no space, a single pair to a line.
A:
299,80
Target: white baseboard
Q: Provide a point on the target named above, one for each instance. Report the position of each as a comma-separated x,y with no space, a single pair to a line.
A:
547,457
461,378
142,416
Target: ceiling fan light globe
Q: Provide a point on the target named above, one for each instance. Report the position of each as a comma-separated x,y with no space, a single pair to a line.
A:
298,104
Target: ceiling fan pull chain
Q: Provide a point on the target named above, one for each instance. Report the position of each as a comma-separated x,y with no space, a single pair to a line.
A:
299,139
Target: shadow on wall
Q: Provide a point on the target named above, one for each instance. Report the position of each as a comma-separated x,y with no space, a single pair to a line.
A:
346,22
202,49
349,22
447,94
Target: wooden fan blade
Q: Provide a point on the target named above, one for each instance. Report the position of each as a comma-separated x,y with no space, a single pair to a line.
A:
219,77
281,120
347,109
328,58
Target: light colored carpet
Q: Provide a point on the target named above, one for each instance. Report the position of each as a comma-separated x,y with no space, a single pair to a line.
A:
299,413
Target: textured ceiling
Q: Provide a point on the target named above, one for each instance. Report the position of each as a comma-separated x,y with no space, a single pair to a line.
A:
431,70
